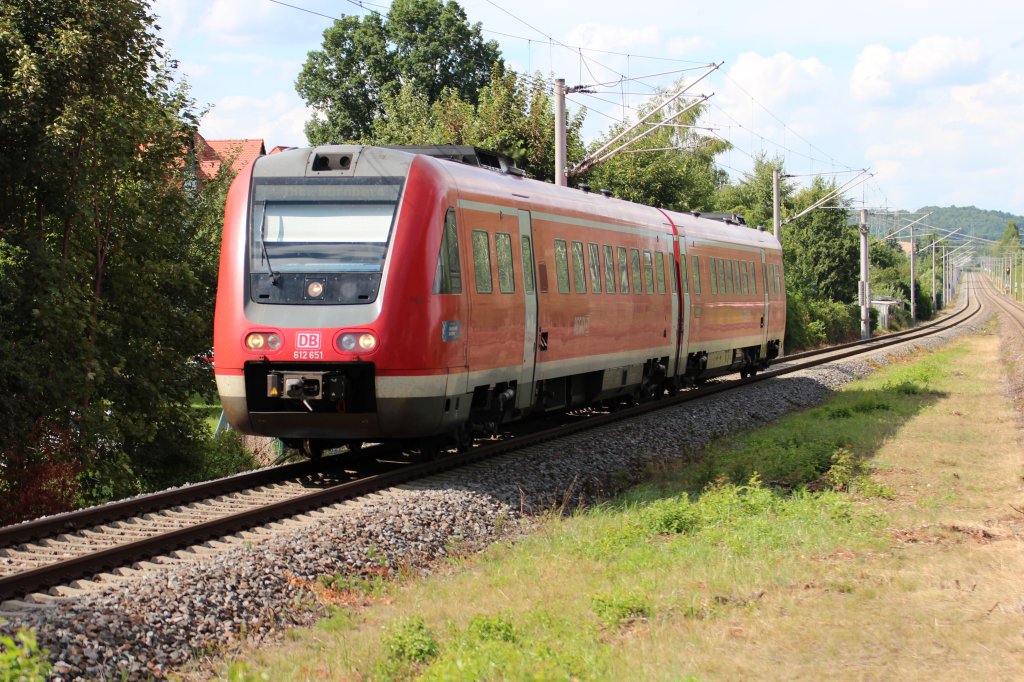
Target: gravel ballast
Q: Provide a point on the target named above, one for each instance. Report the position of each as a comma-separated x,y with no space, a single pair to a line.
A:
159,620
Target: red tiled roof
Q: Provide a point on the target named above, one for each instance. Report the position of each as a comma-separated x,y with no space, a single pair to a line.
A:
213,153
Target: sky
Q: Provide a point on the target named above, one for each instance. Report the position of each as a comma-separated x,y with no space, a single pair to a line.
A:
926,95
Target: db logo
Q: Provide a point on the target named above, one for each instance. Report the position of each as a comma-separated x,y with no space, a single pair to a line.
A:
307,340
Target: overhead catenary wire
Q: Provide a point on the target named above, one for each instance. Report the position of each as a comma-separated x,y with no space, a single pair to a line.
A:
586,62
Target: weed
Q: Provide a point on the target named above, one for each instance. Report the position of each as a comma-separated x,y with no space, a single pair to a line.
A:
410,642
620,608
372,586
868,404
492,629
903,387
845,468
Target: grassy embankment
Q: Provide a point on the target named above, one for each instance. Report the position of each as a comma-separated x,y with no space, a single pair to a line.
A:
872,537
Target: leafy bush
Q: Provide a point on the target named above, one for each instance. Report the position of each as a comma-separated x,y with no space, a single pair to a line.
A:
22,659
811,323
411,642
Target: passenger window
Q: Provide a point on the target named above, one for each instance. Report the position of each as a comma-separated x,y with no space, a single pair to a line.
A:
595,268
609,270
503,247
482,262
634,261
562,266
696,275
623,270
744,278
729,277
648,272
721,275
659,271
753,278
448,276
714,275
527,265
579,269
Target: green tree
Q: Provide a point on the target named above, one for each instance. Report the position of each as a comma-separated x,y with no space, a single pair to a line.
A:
752,196
1009,242
107,265
425,46
678,173
515,117
821,250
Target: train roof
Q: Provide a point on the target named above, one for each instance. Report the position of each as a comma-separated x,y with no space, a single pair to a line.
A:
480,171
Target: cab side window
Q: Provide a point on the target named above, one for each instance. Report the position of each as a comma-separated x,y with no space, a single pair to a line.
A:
448,275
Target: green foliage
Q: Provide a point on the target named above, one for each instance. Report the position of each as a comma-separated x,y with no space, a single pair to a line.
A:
408,645
975,221
845,468
812,323
427,45
492,629
371,586
109,257
622,607
821,250
752,196
22,659
514,116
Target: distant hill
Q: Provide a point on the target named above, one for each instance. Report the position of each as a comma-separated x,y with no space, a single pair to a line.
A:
975,221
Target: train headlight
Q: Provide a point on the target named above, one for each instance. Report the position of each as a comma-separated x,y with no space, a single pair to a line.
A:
315,289
352,342
263,341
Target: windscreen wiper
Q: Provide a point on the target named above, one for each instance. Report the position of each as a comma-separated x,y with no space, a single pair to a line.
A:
263,246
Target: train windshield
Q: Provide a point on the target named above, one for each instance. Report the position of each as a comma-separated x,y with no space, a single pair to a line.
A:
322,224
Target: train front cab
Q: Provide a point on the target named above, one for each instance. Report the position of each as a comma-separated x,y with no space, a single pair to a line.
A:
330,260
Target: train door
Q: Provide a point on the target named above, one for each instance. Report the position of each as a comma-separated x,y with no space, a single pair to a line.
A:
684,306
766,288
524,396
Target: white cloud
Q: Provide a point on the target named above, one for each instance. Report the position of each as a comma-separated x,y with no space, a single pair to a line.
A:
595,36
277,118
689,47
939,60
775,78
236,21
881,74
869,80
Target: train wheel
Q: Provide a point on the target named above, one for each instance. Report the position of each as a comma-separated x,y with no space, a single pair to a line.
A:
427,451
354,445
312,448
463,439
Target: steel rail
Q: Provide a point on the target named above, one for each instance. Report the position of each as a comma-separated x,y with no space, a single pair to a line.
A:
72,521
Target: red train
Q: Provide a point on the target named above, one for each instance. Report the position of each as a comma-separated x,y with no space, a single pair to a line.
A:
392,294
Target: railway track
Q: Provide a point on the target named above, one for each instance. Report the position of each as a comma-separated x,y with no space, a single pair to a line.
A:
54,551
1012,311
